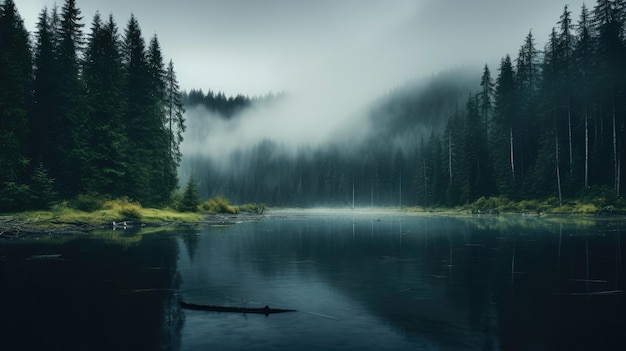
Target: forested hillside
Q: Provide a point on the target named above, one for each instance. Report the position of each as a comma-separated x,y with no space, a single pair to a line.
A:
97,112
85,113
547,123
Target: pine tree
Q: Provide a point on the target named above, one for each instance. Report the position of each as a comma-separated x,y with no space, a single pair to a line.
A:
527,80
175,124
160,175
64,143
138,114
476,158
454,151
15,94
42,126
102,74
611,73
541,182
565,47
503,134
583,70
42,192
190,199
486,99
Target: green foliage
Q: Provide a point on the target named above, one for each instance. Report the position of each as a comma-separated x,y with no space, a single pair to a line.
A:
14,197
252,208
601,196
89,202
126,208
42,194
190,200
492,205
219,205
99,123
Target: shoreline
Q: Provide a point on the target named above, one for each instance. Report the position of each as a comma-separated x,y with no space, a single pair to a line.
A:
20,225
16,226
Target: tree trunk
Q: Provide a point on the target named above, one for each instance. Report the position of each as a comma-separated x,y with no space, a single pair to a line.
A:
586,151
425,184
450,155
512,156
569,131
615,167
558,170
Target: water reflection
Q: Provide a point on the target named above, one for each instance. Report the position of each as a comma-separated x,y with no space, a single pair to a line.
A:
397,282
359,281
90,293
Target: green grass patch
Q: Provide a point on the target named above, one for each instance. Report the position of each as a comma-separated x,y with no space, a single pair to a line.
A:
252,208
111,211
218,205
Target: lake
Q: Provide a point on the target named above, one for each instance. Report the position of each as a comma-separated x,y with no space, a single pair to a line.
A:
358,280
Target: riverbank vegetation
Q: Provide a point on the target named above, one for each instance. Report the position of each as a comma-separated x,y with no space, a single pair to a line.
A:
600,205
121,213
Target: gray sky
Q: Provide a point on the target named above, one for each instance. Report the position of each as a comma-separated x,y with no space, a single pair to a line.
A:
362,46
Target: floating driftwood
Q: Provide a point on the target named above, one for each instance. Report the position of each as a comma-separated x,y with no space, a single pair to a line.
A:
591,293
263,310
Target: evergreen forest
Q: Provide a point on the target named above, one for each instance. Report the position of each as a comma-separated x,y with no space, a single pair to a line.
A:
99,112
547,123
89,113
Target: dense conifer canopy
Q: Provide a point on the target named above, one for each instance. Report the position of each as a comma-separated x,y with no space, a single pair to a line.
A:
92,118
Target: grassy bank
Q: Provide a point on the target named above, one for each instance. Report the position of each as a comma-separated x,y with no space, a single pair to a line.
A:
503,205
91,213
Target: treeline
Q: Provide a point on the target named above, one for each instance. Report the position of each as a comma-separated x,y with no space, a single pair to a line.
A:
376,164
220,104
550,124
97,114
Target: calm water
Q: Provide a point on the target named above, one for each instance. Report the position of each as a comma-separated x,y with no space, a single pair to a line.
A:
362,281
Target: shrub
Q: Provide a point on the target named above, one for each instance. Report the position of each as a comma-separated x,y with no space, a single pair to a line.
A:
42,194
131,211
253,208
190,200
14,196
126,208
89,202
218,205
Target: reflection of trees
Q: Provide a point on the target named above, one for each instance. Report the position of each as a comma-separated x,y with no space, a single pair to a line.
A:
97,296
454,279
191,240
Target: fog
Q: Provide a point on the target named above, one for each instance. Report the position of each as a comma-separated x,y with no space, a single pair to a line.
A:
339,59
334,60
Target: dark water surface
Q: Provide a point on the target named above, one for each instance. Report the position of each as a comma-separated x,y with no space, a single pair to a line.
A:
366,281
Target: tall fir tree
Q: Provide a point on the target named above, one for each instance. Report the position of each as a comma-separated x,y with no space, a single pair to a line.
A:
15,94
504,134
583,71
527,78
137,93
454,153
103,77
42,118
72,122
565,46
476,156
175,124
610,85
160,166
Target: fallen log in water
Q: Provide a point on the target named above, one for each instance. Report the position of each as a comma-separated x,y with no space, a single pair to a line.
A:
263,310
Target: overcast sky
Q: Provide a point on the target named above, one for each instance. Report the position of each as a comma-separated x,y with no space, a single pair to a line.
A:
364,46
